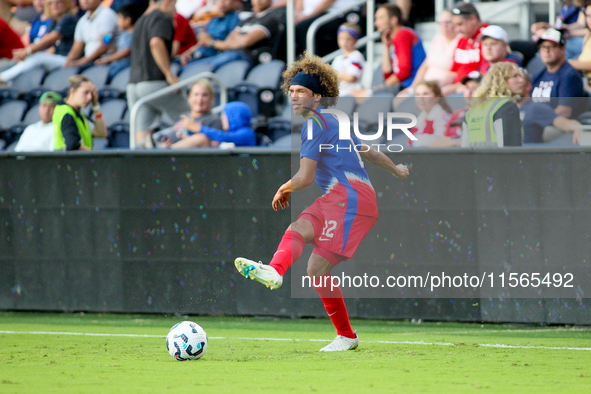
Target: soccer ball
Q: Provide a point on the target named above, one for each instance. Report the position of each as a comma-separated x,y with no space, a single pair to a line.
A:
186,341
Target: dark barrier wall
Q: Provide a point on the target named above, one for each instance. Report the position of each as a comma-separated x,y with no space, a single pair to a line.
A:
153,232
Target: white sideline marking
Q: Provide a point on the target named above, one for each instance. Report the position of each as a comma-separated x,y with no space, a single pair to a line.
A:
494,345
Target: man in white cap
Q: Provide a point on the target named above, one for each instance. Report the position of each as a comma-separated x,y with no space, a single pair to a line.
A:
495,48
559,84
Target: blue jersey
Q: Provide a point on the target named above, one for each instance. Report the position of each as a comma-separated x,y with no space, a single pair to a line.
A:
340,168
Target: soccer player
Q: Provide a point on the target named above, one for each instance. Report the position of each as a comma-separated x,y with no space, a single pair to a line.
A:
338,220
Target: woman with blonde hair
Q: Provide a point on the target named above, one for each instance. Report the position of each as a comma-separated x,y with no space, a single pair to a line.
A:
51,50
434,113
493,119
201,100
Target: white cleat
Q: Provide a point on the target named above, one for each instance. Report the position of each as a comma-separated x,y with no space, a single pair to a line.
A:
341,343
262,273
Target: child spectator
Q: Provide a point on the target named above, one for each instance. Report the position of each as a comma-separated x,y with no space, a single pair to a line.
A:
127,16
431,122
495,48
41,24
218,28
38,137
350,64
235,125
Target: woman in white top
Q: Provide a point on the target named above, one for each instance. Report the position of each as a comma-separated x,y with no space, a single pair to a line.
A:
432,121
437,64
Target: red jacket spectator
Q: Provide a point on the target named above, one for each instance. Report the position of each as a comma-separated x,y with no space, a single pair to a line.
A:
468,55
184,36
9,40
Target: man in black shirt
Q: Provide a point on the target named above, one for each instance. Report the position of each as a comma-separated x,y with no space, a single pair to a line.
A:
249,39
150,67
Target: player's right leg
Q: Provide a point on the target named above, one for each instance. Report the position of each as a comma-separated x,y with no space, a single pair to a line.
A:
289,250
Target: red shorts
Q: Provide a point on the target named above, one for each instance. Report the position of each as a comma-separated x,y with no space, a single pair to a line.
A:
337,234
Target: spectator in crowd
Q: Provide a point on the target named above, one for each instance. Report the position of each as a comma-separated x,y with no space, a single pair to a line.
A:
403,51
184,37
70,125
468,54
9,41
15,23
41,24
495,48
150,67
201,99
433,116
236,130
89,38
38,137
438,62
571,19
349,65
307,11
127,16
537,117
559,84
50,51
453,128
493,119
253,36
217,28
583,63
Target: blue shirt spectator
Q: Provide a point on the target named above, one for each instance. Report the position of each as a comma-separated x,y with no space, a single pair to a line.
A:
535,117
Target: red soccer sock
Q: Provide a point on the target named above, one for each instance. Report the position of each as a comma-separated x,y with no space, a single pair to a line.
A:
332,297
289,250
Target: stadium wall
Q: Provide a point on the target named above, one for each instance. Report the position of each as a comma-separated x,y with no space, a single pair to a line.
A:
157,232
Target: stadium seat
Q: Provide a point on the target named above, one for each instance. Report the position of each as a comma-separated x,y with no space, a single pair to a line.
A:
23,84
193,69
278,127
113,111
260,90
519,56
32,115
11,114
117,87
369,113
98,75
378,76
56,81
293,141
233,73
346,104
535,65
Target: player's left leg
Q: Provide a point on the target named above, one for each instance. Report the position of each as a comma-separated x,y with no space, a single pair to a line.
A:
319,266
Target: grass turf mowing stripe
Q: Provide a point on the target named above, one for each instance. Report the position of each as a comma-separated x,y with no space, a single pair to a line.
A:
493,345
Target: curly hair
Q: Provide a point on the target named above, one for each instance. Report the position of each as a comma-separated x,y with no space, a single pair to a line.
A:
494,83
329,79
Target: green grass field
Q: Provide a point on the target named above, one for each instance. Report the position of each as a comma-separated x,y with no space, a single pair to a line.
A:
40,353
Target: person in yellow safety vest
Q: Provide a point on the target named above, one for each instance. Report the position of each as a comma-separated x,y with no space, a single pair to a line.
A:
69,123
493,119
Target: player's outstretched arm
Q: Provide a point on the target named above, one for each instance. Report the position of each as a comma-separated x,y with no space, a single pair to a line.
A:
301,180
380,160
